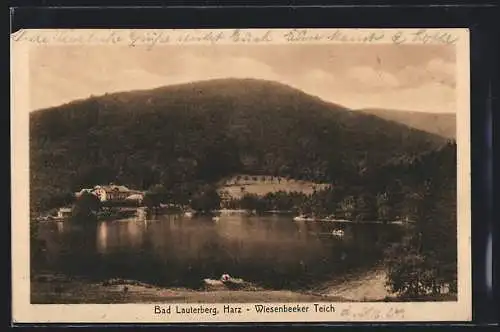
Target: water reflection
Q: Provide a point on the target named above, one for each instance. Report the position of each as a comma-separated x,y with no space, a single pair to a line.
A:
273,251
118,235
60,227
102,237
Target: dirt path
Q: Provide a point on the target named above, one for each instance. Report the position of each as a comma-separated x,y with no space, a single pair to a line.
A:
368,286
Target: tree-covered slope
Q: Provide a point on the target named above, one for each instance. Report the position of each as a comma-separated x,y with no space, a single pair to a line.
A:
205,131
442,124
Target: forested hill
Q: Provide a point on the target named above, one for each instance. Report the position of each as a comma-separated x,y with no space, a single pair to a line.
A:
443,124
207,130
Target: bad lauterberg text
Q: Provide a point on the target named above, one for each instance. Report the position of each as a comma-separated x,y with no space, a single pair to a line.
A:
215,310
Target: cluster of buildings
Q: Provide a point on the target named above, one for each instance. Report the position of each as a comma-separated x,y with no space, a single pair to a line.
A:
114,193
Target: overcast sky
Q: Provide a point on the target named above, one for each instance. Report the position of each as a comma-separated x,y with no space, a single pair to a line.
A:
405,77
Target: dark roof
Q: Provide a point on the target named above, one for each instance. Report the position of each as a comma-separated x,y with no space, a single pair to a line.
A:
112,187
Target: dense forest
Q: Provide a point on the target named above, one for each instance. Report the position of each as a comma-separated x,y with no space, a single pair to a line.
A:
200,132
442,124
389,193
177,142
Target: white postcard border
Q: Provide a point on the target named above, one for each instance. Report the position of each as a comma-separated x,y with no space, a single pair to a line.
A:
24,312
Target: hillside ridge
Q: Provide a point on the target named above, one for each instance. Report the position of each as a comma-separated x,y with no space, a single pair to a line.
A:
195,85
442,124
204,131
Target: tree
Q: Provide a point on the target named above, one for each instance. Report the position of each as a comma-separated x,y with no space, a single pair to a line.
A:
91,175
425,261
365,207
347,206
408,272
206,200
56,199
383,206
86,208
249,201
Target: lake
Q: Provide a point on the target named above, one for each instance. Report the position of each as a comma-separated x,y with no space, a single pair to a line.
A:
173,251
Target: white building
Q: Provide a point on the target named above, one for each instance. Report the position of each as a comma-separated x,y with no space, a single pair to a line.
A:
113,192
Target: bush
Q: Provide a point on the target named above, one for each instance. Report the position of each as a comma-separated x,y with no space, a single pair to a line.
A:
86,208
424,262
206,200
156,195
409,273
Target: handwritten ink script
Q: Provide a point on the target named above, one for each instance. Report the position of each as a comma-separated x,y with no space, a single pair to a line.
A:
152,38
373,313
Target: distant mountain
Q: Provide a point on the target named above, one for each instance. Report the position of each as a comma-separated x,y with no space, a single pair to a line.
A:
442,124
207,130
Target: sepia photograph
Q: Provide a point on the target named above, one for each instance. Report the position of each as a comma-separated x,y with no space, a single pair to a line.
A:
218,175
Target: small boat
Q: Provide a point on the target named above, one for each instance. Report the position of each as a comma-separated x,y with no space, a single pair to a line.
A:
338,232
188,214
303,218
328,218
215,219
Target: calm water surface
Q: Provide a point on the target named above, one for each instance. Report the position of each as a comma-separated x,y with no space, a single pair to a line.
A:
272,251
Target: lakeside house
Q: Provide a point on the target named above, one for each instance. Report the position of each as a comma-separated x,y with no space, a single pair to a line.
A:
114,193
64,212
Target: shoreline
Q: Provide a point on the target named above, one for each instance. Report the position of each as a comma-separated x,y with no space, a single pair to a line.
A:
79,291
368,286
232,212
48,288
356,286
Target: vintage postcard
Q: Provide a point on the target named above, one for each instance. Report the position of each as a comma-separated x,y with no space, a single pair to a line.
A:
264,175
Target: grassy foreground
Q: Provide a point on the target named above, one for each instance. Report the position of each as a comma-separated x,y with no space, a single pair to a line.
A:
61,289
